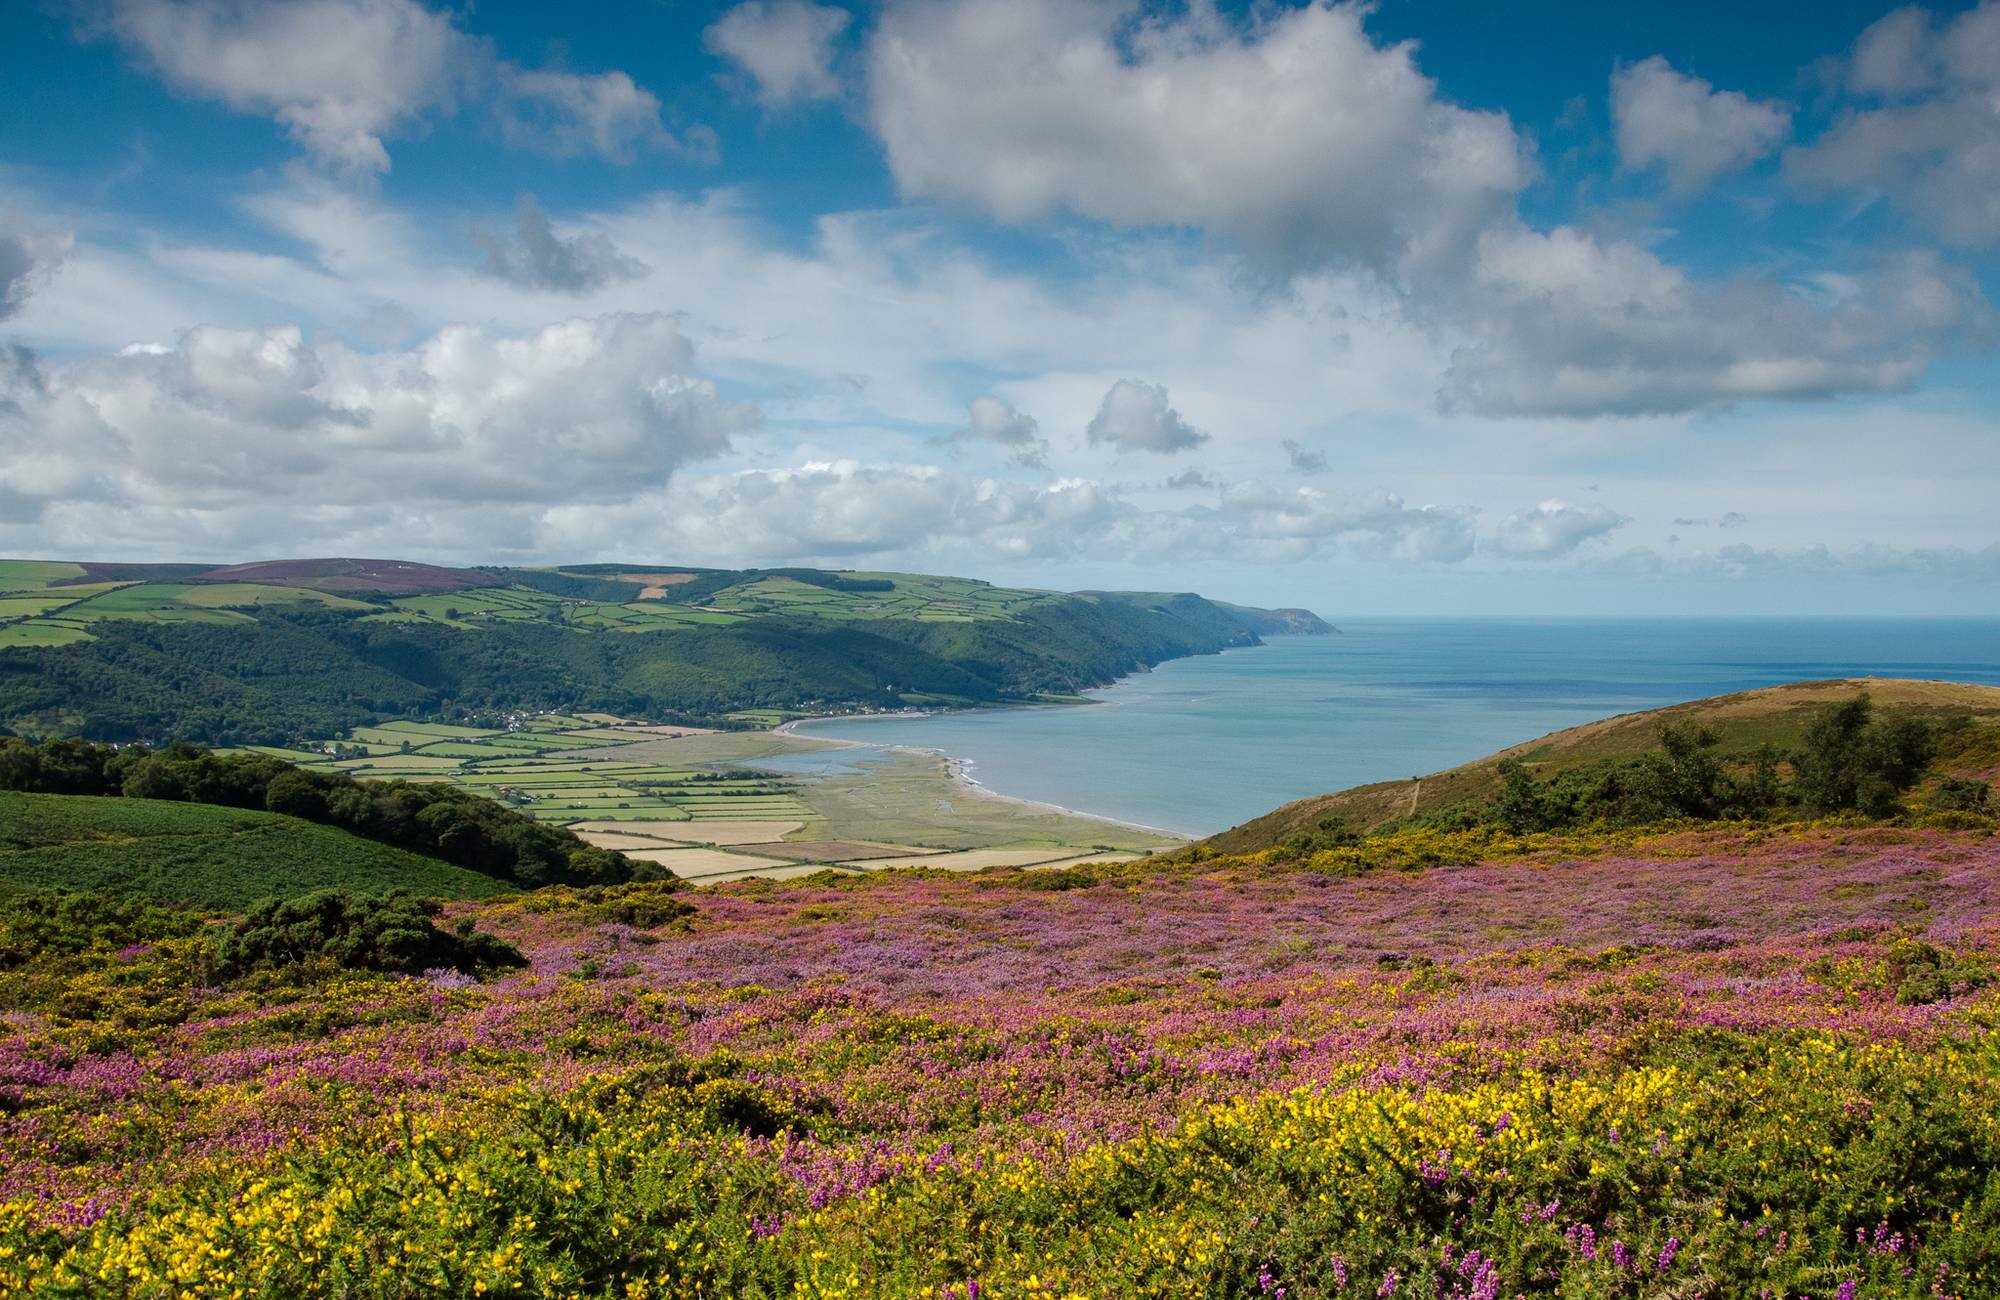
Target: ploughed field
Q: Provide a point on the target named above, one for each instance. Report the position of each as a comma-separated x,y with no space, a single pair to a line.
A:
1718,1063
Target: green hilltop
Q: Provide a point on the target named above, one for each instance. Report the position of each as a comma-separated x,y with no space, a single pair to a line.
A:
264,652
204,855
1744,725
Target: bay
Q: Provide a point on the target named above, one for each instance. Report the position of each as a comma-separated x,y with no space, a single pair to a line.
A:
1201,744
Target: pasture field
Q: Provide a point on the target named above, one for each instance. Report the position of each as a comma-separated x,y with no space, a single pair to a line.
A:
203,855
621,786
532,770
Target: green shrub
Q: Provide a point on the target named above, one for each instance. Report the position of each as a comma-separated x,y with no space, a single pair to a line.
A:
392,932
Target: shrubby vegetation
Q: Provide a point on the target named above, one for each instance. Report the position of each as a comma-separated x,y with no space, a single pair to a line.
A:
443,821
1628,1077
1849,761
390,932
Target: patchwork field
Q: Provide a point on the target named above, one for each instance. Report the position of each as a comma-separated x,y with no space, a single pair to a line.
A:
690,798
51,602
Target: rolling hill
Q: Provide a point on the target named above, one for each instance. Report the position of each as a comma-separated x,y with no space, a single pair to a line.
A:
204,855
1742,723
271,650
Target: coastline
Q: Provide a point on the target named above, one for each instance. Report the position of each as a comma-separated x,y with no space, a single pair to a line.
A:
958,770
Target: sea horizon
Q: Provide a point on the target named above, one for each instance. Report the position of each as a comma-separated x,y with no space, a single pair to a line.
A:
1387,698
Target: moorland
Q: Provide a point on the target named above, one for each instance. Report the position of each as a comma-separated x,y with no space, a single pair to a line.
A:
1698,1003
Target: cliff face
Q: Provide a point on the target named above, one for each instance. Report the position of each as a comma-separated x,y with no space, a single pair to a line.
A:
1281,622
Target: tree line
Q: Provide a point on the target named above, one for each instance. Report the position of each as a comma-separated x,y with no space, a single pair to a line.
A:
442,821
1848,759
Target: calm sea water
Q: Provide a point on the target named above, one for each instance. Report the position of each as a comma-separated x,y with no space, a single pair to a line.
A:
1201,744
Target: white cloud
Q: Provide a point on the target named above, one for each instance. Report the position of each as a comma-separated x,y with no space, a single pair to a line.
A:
1553,528
28,257
787,47
1295,133
847,511
225,425
1564,324
342,75
1191,478
539,258
1303,459
566,115
1932,149
1683,123
1300,136
1271,522
1135,416
989,419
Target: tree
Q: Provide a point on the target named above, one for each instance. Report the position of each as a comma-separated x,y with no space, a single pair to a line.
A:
1851,761
1521,808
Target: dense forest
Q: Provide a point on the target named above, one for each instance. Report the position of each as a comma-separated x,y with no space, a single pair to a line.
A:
301,672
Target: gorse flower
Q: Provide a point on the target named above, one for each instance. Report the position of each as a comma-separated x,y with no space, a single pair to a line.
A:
1631,1070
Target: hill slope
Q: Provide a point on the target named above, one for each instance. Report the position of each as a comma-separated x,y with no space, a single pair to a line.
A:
262,652
202,854
1742,722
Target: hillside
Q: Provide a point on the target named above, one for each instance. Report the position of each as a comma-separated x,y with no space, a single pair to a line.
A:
1742,722
264,652
204,855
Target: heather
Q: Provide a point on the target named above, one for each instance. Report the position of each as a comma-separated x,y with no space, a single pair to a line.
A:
1716,1061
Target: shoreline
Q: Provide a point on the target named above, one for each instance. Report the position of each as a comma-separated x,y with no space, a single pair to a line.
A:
957,769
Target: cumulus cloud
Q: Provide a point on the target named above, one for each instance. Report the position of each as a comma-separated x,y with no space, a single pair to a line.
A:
1552,529
786,46
1667,118
27,257
1190,478
1925,134
988,419
341,75
1565,324
1135,416
845,510
1299,136
567,115
1267,521
1972,566
223,423
536,257
1303,459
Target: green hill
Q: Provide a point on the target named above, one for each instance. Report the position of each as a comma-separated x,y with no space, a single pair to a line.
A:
1742,723
202,854
264,652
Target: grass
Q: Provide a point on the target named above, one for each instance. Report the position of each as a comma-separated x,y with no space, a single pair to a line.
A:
202,854
32,575
1775,716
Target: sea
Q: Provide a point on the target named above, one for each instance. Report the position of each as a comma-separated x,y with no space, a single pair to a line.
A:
1201,744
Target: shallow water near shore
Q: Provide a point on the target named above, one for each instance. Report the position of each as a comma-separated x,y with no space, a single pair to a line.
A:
1201,744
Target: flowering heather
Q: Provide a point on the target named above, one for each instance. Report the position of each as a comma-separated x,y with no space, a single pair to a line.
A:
1703,1064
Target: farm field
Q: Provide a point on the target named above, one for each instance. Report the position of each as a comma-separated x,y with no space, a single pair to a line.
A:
51,602
1722,1061
636,788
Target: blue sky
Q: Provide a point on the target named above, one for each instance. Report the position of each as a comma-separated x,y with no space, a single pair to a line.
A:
1424,307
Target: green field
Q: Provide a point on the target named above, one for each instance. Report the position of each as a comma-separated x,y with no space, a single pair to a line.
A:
202,854
526,769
